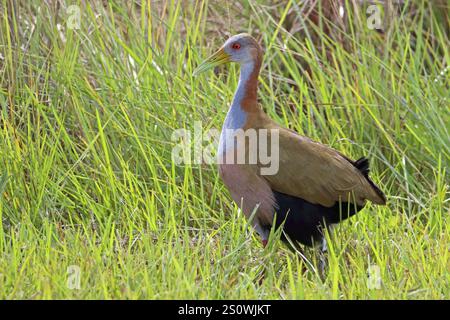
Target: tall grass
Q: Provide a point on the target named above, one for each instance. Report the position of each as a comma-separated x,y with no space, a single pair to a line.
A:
87,180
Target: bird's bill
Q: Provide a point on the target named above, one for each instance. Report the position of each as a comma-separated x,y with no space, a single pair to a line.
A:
218,58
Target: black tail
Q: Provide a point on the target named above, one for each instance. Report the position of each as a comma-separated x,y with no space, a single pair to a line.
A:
362,164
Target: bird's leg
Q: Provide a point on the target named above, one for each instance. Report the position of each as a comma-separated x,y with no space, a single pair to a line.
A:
322,257
264,243
264,234
263,272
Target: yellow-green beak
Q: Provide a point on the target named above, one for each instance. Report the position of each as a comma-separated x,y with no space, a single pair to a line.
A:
218,58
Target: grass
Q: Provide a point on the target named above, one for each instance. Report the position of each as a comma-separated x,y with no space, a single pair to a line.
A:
87,180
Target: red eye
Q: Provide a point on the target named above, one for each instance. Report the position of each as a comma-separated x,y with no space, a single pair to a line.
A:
236,46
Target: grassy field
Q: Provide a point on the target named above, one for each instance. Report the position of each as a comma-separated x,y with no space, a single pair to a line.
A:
88,190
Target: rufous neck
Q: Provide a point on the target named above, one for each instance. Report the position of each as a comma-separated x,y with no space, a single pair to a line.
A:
246,96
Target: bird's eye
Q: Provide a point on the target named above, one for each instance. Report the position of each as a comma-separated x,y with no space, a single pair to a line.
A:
236,46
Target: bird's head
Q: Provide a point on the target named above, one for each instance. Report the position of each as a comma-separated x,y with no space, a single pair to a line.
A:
241,48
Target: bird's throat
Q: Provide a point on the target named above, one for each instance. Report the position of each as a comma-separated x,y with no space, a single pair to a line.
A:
245,97
244,102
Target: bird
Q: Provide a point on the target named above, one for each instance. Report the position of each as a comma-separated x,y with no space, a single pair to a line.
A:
314,187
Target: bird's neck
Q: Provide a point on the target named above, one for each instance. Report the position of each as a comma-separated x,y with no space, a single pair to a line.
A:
245,98
247,90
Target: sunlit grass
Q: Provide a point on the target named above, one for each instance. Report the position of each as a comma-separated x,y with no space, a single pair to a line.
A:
86,176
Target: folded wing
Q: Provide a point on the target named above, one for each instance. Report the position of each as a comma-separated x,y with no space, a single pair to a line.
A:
319,174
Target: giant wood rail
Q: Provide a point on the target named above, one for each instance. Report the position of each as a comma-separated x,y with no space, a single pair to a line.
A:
315,186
